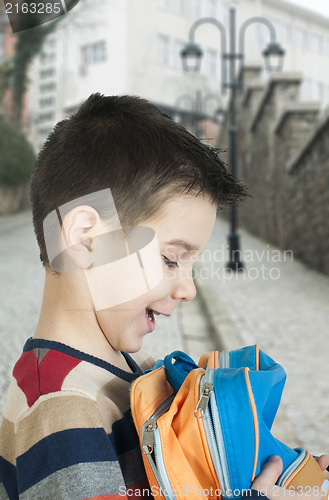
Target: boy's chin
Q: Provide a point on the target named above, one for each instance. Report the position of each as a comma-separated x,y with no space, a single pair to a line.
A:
133,347
128,345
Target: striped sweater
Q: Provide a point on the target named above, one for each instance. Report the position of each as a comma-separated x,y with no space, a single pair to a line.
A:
67,431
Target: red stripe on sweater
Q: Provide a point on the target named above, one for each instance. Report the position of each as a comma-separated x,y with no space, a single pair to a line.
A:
27,377
53,370
35,380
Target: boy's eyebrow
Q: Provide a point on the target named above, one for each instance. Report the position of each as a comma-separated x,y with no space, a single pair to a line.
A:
182,243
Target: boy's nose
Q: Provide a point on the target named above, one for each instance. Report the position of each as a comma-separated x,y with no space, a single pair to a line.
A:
184,290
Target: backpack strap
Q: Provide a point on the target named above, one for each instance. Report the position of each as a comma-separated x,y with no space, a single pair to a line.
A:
209,360
178,365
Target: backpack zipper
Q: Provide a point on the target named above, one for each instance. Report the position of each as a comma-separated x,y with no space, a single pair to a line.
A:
223,362
213,430
162,478
224,359
292,467
151,444
150,425
207,386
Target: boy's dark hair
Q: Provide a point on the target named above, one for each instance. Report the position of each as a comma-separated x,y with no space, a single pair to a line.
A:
126,144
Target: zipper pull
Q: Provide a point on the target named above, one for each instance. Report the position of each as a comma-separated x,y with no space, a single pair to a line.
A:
203,401
147,440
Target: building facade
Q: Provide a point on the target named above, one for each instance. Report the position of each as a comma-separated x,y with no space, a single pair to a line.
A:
133,47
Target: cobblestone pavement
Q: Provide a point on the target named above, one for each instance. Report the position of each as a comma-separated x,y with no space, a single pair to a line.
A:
283,306
22,277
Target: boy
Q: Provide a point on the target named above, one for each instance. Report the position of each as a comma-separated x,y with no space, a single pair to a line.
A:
134,196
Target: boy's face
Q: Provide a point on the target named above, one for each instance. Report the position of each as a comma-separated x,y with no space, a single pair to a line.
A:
190,220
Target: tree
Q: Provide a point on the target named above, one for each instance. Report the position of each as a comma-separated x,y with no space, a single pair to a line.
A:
31,31
16,156
28,45
5,74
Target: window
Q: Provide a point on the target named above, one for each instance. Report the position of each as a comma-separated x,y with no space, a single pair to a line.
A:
178,46
47,73
326,96
47,87
283,31
226,14
163,49
179,7
311,90
211,8
195,7
49,44
316,43
305,90
47,102
210,63
94,52
163,4
45,117
43,133
261,33
301,38
320,91
47,58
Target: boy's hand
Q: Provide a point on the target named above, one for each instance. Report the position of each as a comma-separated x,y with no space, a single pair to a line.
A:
264,483
323,461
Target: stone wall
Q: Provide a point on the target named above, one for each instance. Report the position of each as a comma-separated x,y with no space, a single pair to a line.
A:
283,159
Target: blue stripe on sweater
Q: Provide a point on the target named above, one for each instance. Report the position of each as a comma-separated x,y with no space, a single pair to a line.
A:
61,450
8,478
124,434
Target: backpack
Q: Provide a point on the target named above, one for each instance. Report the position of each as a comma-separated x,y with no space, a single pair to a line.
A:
205,430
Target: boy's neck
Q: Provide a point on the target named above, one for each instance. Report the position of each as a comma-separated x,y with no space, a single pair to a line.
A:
67,316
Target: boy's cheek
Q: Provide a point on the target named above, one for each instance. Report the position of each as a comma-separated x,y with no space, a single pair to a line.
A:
115,283
162,290
129,277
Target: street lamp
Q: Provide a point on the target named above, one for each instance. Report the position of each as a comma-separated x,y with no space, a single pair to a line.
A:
198,106
273,54
220,111
191,55
195,109
178,102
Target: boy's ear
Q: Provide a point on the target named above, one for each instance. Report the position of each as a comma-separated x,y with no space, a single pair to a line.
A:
79,228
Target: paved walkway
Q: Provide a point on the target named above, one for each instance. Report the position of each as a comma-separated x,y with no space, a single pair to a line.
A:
283,306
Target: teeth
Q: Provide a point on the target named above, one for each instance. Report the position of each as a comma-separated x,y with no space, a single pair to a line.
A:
149,313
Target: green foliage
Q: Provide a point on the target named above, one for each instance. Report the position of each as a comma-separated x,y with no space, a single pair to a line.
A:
16,156
5,73
29,42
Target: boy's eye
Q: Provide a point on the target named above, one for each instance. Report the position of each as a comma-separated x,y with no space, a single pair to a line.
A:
169,263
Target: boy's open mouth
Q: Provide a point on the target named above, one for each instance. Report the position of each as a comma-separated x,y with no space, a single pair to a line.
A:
149,313
150,318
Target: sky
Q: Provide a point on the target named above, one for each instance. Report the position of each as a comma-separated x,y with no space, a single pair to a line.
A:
319,6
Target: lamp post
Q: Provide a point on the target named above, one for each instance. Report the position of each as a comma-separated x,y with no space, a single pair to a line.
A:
219,112
191,56
194,106
198,106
